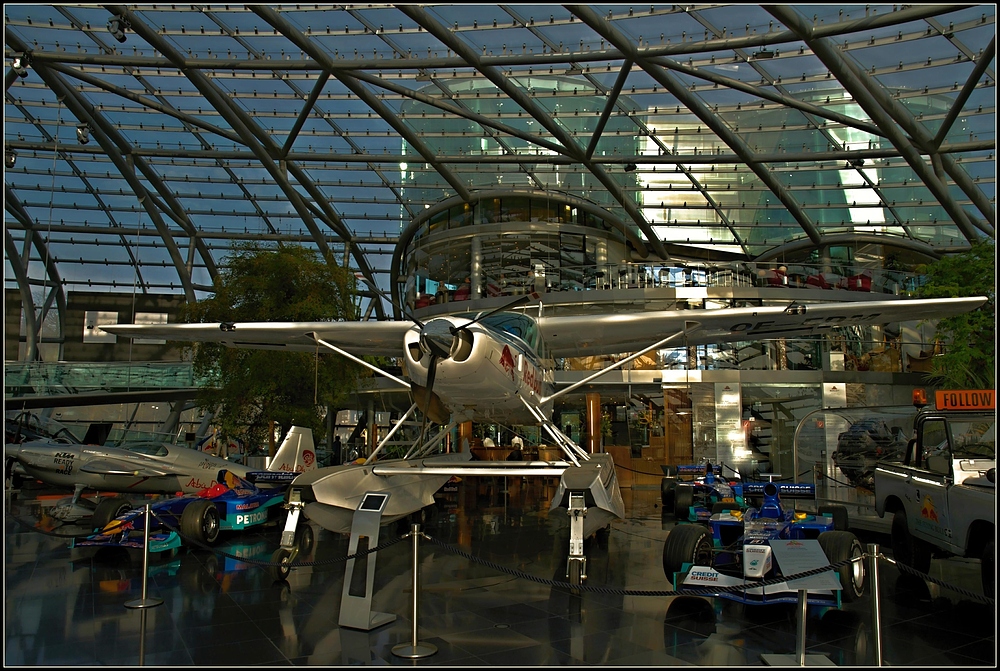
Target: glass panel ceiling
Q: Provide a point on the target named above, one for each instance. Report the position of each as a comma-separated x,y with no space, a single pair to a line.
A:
140,145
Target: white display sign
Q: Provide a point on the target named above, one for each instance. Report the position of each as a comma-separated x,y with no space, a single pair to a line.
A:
799,556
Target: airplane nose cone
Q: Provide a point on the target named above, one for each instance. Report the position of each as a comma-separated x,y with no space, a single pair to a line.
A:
436,338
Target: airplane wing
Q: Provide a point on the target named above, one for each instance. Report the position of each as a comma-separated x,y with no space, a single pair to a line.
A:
584,335
359,338
107,466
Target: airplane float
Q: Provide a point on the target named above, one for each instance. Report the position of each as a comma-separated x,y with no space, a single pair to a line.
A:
143,467
490,366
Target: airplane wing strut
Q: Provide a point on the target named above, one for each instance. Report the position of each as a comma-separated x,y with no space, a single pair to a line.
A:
689,327
312,335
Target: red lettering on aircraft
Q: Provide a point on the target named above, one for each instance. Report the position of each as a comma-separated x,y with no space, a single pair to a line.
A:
532,379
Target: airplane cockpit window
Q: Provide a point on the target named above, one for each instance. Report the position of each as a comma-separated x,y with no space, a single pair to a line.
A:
517,325
152,449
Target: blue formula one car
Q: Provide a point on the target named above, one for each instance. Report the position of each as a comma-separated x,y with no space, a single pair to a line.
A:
741,548
232,504
694,492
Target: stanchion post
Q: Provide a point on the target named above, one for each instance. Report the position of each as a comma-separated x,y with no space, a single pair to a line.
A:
145,602
876,621
416,649
801,629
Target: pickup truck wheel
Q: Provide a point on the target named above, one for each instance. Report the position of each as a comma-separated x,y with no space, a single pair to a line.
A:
668,485
683,500
200,522
989,568
840,546
686,544
906,549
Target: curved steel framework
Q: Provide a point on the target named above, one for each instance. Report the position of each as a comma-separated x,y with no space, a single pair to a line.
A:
741,130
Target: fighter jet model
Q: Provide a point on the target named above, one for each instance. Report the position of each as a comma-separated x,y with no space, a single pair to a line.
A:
489,366
146,467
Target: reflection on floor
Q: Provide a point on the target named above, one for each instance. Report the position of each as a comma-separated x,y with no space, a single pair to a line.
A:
65,606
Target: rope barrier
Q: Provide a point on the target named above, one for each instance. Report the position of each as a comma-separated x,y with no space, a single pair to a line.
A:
847,484
903,568
692,591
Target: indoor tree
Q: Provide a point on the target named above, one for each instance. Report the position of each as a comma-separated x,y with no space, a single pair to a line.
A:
248,389
970,356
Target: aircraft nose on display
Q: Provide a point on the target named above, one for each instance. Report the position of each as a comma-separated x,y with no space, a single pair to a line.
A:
436,338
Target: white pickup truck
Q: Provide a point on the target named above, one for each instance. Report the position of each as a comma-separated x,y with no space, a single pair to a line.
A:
942,497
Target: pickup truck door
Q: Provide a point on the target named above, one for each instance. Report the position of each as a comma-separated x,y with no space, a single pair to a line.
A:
931,517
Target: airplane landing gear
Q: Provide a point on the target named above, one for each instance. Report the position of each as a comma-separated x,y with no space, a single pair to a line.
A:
282,558
576,563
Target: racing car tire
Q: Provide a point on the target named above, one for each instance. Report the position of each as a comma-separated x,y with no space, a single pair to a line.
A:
668,485
683,500
839,515
840,546
200,522
279,568
906,549
686,544
109,509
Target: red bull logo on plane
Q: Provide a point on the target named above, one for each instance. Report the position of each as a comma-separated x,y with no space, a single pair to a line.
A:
507,362
308,457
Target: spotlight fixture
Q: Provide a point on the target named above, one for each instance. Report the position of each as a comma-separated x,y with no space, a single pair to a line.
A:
630,167
83,133
857,162
763,53
9,158
117,26
20,65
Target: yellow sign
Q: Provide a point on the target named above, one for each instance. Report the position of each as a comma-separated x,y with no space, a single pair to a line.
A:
965,399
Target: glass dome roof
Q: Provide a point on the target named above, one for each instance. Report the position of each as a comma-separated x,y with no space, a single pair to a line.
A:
140,141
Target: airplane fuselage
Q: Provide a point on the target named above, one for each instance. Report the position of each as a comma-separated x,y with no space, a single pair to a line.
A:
64,465
488,372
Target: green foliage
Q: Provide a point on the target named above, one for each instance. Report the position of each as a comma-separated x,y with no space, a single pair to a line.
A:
250,388
970,356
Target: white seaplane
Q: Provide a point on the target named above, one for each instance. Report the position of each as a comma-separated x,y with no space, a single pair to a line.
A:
491,366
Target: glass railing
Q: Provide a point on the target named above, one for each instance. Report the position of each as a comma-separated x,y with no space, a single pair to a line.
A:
618,276
37,378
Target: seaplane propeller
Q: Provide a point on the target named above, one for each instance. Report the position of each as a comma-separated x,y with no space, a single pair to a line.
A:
441,340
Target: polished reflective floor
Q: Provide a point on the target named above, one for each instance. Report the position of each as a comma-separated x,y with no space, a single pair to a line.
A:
65,606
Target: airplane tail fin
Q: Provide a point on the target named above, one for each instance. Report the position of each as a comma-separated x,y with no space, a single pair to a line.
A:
297,453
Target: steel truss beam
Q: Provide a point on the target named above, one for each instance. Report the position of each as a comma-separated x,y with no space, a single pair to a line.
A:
701,110
254,137
878,104
434,27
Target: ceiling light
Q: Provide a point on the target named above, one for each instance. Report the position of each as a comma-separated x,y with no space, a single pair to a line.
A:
630,167
117,26
857,162
763,53
20,65
83,133
9,157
